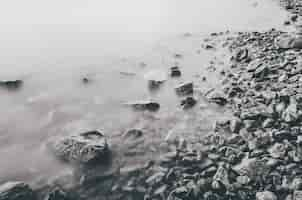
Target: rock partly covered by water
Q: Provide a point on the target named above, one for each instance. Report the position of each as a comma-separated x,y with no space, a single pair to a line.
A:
145,105
82,148
11,84
16,191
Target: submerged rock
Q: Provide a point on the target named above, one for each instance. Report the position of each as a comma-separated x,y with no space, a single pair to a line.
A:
175,71
11,84
185,89
16,191
84,148
57,194
145,105
188,102
218,98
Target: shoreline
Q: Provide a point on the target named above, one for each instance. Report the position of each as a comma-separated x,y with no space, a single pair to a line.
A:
254,155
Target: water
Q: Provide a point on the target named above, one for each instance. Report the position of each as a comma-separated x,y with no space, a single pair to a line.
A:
53,45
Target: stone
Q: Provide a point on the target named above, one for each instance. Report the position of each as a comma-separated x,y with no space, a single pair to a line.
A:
57,194
133,133
16,191
11,84
154,84
222,176
188,102
241,55
82,148
278,150
218,98
235,125
175,71
243,180
297,184
266,195
185,89
285,41
297,195
147,105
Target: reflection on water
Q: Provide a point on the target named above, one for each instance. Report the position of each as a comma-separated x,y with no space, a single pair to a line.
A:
52,45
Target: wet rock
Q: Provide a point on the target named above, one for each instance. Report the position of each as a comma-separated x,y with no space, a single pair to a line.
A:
85,80
266,195
84,148
185,89
297,195
278,150
297,43
145,105
154,84
218,98
188,102
243,180
222,176
133,133
297,184
235,125
175,71
242,55
285,42
11,84
57,194
16,191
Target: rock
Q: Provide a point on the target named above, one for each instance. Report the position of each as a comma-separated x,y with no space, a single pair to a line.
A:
278,151
235,125
16,191
285,42
297,184
291,113
266,195
133,133
287,22
185,89
188,102
85,80
243,180
297,195
153,84
11,84
145,105
222,176
175,71
218,98
84,148
297,44
242,55
57,194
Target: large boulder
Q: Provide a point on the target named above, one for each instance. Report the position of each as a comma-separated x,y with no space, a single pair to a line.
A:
83,148
16,191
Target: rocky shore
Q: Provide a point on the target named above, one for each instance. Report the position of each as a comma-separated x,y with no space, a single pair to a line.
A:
257,154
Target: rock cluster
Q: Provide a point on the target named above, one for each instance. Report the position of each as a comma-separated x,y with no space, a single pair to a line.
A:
255,155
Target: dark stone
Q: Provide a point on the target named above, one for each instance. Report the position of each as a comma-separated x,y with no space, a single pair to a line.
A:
188,102
145,105
57,194
16,191
185,89
218,98
153,84
175,71
11,84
